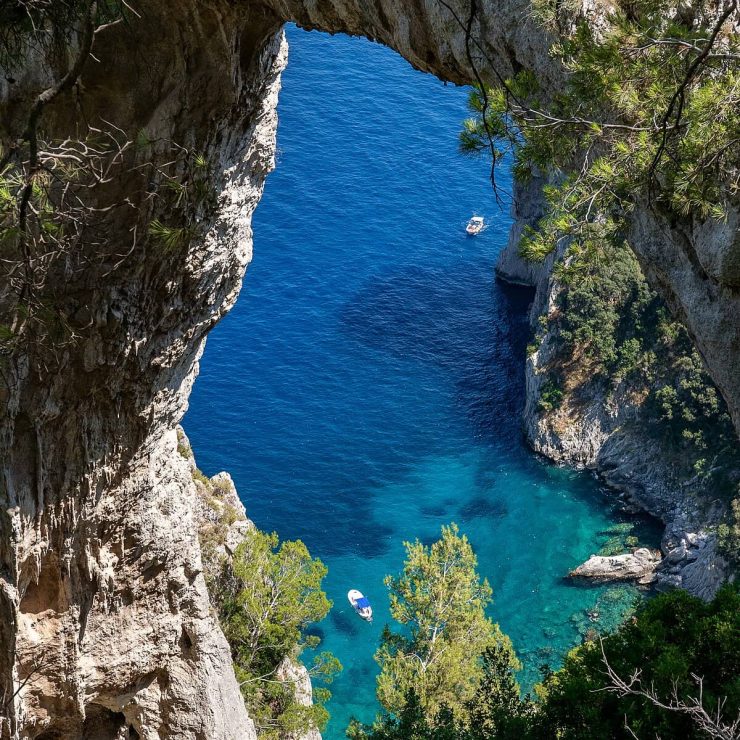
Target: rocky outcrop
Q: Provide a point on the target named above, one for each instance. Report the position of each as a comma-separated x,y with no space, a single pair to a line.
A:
638,566
527,208
602,426
222,523
291,672
104,618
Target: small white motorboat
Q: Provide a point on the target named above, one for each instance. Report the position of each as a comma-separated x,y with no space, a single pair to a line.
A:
360,604
475,225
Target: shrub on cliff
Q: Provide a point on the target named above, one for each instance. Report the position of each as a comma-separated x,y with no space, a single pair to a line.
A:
679,647
269,594
609,320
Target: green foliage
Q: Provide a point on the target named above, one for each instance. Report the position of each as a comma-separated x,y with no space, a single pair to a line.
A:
439,601
184,189
645,114
551,395
496,709
268,596
619,329
728,532
672,638
412,723
669,644
606,309
170,238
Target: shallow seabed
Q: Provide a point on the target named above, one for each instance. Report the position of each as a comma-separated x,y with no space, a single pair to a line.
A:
368,386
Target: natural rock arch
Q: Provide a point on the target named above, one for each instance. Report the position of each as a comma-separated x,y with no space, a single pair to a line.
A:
96,503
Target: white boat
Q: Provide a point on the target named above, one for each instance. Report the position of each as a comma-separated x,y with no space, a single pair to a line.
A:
475,225
360,604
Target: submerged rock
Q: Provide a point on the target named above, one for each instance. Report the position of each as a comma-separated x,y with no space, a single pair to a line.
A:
637,566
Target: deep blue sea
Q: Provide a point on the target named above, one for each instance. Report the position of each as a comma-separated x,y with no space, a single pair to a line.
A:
368,386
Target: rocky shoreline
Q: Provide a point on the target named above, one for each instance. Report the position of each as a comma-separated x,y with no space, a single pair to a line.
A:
601,432
638,566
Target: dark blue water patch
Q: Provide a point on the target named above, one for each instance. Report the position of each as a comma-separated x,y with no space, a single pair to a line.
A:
449,320
345,622
484,506
435,511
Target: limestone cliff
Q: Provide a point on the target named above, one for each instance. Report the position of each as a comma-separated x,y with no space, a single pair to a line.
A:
576,414
105,623
105,628
222,525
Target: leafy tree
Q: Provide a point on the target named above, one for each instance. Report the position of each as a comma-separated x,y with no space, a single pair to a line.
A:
671,671
412,723
651,109
268,595
439,600
497,710
673,640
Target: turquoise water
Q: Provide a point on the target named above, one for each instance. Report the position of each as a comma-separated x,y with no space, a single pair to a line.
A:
368,386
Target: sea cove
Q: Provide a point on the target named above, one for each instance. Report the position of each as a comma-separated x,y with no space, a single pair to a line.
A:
368,386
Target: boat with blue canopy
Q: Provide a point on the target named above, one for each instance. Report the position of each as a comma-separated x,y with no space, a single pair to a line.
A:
360,604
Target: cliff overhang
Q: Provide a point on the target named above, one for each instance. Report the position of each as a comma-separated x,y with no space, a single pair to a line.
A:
105,624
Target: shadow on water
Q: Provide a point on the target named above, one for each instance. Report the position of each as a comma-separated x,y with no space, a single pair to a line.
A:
434,511
483,506
474,328
345,622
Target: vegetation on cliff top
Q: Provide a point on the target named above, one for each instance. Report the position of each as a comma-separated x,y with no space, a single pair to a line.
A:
607,315
670,671
651,111
268,597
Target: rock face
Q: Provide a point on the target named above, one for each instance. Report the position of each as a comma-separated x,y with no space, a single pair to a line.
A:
105,622
527,209
288,671
636,566
105,625
222,523
602,428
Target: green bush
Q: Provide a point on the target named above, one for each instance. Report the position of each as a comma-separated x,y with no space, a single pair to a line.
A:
551,395
672,638
267,596
608,317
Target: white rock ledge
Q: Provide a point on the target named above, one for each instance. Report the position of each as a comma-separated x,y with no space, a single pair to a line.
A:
637,566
